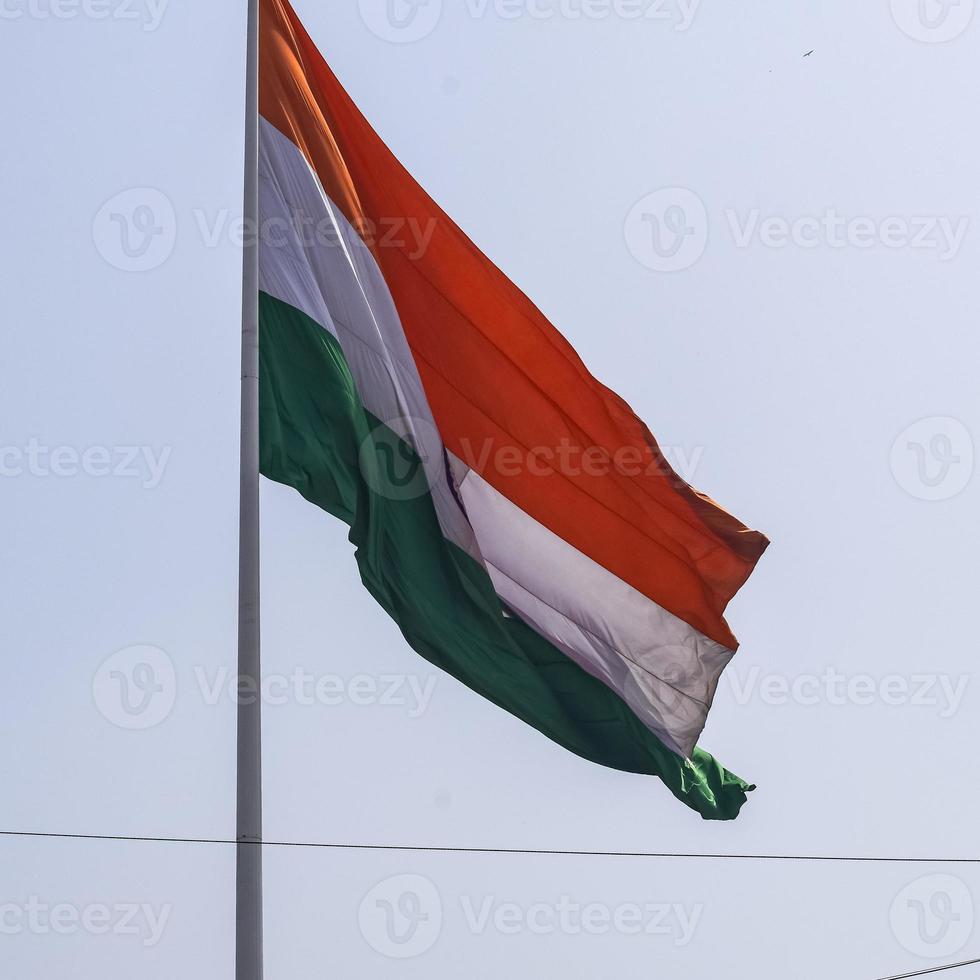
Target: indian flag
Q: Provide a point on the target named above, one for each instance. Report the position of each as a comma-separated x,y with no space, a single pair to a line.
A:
510,513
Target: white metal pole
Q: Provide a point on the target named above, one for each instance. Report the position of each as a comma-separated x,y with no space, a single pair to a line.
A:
248,911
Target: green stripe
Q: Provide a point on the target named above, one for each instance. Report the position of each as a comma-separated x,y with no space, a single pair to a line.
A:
313,431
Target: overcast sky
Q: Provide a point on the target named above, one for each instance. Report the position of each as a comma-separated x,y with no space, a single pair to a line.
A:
772,257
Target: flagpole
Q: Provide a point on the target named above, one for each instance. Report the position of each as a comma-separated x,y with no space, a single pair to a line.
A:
248,898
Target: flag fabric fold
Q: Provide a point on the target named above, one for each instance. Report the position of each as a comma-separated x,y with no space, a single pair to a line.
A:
510,513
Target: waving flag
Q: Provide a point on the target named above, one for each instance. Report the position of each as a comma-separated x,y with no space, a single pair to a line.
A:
510,513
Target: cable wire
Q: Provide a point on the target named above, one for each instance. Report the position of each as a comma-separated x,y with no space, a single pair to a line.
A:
433,849
933,969
442,849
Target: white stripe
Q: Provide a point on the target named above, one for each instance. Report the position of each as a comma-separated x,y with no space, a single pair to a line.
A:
663,668
312,259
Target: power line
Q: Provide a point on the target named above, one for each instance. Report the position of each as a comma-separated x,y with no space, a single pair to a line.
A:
437,849
934,969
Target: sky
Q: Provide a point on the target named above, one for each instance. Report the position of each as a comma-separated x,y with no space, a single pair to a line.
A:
770,256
